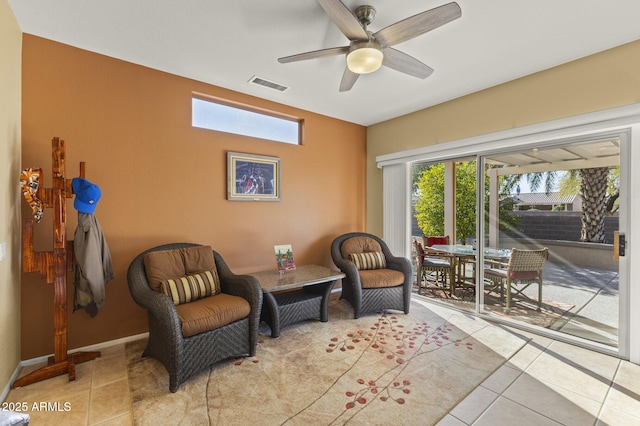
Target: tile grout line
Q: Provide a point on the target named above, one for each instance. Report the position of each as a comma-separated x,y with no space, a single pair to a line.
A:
93,368
480,385
490,390
126,368
597,419
521,372
129,412
606,396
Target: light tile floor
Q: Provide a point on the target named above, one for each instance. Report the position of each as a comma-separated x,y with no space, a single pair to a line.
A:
549,383
546,383
98,396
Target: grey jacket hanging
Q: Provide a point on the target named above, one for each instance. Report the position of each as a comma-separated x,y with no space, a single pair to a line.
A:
93,269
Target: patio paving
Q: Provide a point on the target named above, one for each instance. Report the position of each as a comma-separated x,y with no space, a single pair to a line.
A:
595,293
591,293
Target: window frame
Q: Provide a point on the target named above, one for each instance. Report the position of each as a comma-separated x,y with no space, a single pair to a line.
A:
253,109
621,122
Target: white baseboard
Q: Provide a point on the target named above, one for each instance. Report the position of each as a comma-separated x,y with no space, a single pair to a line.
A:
7,387
96,347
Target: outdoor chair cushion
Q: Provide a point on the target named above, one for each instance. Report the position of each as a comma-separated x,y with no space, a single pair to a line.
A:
367,255
189,276
163,265
516,275
211,312
378,278
192,286
368,260
359,245
198,259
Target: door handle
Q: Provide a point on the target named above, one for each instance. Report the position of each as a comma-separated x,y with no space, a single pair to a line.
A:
619,245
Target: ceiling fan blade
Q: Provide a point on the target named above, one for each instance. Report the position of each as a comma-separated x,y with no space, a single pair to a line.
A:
418,24
332,51
344,19
348,80
404,63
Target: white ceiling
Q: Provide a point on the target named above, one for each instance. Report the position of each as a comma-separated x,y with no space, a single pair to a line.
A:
225,43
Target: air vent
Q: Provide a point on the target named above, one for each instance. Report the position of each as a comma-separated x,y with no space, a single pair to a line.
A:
266,83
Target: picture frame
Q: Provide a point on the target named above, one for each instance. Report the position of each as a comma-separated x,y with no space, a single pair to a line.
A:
284,257
253,177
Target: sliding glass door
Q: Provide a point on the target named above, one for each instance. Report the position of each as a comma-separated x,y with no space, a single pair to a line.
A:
443,230
554,218
562,185
525,236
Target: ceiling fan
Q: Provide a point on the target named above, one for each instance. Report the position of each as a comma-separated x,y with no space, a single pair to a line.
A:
367,51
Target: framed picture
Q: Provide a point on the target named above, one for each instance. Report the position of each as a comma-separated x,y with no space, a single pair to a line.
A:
284,257
253,177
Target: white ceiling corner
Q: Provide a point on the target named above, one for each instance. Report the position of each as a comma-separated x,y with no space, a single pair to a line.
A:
226,43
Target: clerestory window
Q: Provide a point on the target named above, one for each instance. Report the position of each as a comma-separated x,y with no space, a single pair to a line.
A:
241,119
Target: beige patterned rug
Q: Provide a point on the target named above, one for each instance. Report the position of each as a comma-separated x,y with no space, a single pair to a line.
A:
378,369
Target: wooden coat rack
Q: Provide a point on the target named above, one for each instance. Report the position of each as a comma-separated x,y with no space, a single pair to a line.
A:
53,266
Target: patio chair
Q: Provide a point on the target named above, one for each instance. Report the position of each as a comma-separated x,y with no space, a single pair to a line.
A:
375,280
458,263
432,240
435,269
190,328
524,268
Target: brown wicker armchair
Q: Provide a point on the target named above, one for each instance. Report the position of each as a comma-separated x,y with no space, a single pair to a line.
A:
185,356
375,289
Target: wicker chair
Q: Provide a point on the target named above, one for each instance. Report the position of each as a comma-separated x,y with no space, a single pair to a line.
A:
392,288
524,268
185,356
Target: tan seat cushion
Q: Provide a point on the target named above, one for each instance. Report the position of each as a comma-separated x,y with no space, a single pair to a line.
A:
211,312
377,278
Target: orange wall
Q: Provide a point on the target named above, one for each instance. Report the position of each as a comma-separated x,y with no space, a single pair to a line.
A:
164,181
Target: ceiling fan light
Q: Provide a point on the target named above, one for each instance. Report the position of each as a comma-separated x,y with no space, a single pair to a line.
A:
364,60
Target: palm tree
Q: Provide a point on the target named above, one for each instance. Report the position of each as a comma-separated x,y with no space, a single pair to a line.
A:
593,188
599,191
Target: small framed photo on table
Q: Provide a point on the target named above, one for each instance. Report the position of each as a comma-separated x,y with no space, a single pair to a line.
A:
253,177
284,257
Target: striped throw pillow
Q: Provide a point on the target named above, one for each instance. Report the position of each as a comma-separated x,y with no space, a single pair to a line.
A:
191,287
369,260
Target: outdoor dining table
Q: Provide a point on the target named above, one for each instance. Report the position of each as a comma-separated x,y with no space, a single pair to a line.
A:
461,254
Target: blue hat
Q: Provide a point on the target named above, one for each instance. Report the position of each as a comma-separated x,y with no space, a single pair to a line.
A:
87,195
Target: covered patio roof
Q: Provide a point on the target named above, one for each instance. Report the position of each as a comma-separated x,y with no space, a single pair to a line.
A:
580,155
584,155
